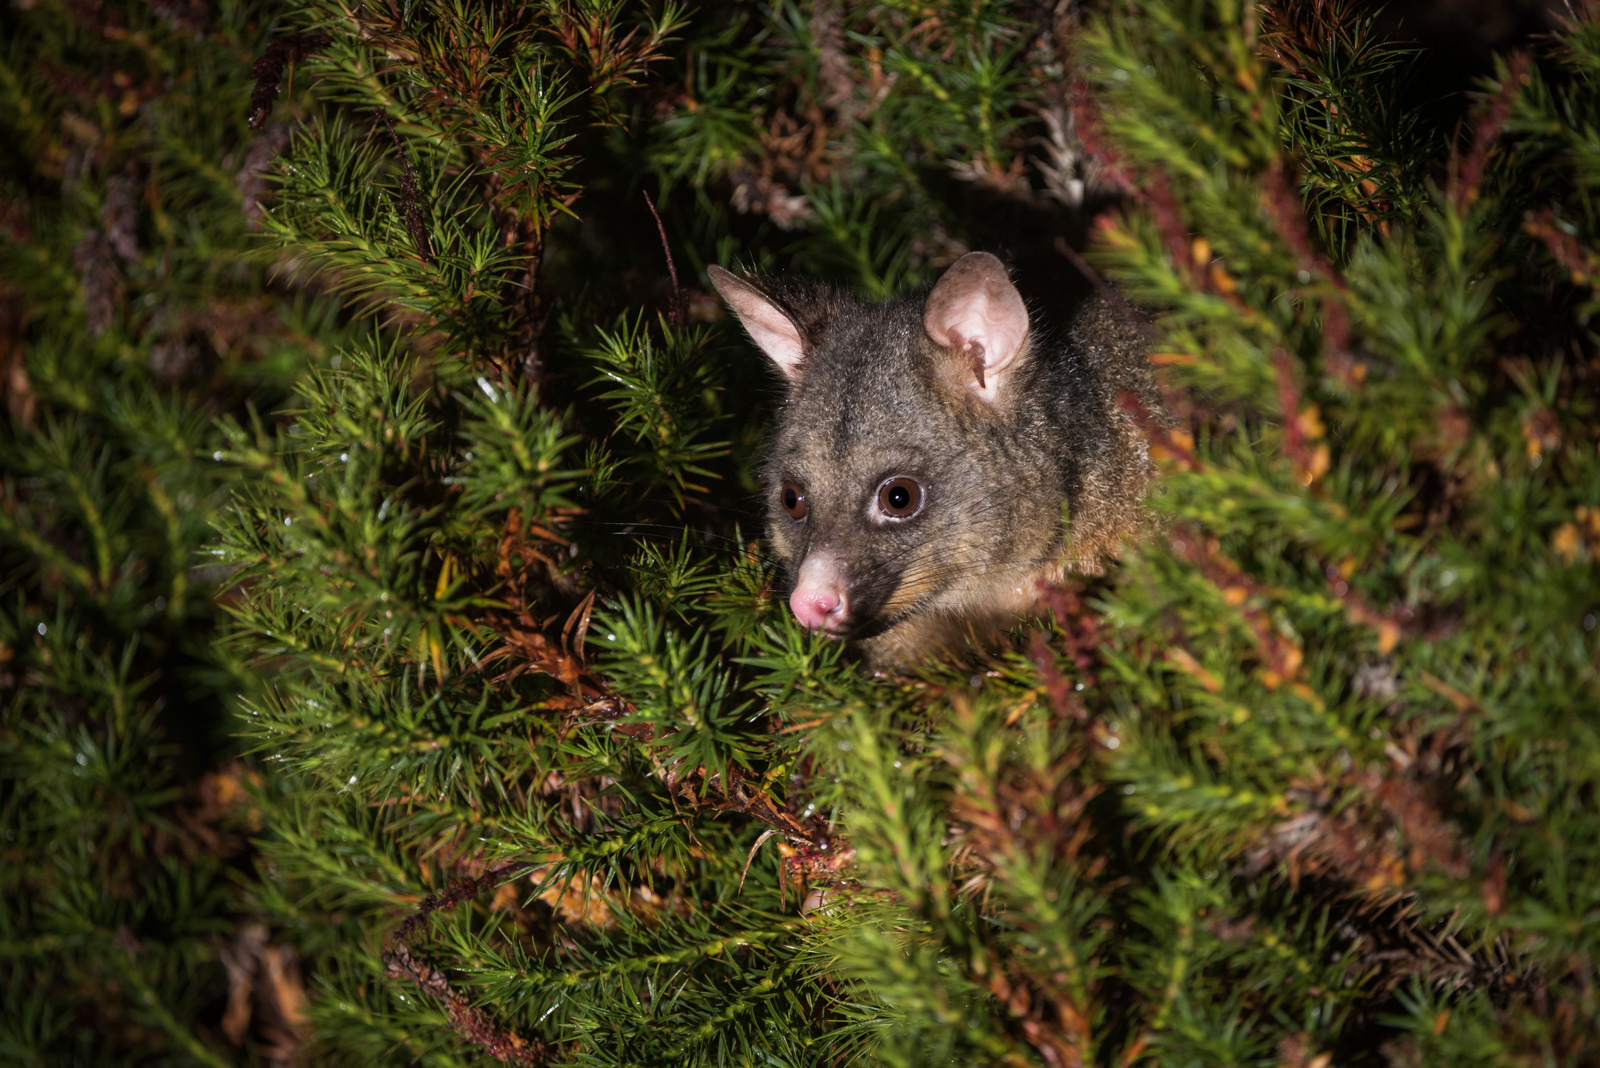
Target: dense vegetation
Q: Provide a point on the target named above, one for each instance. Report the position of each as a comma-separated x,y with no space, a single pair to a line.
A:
391,670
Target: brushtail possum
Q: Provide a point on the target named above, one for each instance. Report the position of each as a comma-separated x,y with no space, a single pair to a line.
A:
927,445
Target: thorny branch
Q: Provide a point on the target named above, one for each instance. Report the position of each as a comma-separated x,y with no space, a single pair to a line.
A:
474,1024
410,191
268,70
1468,178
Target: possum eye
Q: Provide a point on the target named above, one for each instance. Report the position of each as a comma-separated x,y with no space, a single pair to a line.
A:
900,497
794,500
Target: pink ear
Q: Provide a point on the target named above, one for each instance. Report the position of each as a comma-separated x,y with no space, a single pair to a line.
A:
976,312
773,331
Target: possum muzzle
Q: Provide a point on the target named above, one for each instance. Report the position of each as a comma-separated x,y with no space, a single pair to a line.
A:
821,599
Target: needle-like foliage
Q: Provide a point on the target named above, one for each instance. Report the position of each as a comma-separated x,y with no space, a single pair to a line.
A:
131,316
401,513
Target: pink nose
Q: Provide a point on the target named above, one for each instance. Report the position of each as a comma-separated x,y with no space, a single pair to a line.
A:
818,607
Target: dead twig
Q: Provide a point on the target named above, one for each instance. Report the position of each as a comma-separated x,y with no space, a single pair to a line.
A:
679,312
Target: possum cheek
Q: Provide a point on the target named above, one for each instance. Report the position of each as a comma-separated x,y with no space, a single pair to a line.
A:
919,578
820,600
784,547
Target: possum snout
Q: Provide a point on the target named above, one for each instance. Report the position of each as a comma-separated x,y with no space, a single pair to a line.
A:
820,600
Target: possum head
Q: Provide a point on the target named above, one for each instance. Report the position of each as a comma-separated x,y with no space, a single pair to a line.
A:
911,478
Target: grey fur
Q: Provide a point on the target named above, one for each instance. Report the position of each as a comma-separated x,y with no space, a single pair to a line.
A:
875,396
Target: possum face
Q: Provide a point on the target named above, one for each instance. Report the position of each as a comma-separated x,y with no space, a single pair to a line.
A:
904,479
